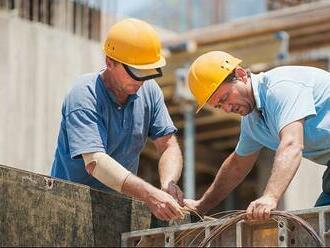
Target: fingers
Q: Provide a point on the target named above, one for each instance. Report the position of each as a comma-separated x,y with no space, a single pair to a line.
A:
257,211
168,209
249,211
162,212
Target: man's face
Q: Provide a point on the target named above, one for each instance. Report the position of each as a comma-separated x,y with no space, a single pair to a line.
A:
124,82
233,97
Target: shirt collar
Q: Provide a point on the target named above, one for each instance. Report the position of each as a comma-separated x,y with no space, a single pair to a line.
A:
255,81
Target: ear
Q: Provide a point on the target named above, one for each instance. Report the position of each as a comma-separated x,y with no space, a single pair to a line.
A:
241,74
109,63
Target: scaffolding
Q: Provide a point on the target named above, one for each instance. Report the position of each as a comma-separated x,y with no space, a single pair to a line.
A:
270,233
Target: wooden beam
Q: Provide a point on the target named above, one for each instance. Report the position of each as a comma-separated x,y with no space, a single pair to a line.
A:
274,21
218,133
310,41
213,118
252,50
309,29
150,151
207,160
225,145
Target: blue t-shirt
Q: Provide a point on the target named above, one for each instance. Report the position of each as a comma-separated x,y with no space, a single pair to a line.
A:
284,95
92,121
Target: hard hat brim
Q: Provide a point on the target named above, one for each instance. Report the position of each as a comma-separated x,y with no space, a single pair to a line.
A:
160,63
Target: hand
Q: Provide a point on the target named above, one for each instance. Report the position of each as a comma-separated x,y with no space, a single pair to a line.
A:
193,205
260,208
164,206
174,190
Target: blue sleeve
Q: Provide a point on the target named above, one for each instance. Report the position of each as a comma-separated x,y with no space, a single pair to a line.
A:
161,122
86,132
291,102
246,144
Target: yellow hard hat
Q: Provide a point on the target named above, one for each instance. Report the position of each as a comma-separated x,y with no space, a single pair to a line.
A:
134,43
207,72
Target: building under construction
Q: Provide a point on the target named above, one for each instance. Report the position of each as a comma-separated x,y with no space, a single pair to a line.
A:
46,44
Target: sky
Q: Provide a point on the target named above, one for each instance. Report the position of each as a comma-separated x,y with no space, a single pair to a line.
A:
181,15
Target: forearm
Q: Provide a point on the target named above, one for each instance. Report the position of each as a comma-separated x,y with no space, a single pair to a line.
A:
115,176
170,164
106,169
286,164
138,188
228,177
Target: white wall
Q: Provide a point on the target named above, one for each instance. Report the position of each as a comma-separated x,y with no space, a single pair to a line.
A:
306,187
303,190
37,67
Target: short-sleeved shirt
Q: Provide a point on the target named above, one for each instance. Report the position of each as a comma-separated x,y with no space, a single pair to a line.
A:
284,95
92,121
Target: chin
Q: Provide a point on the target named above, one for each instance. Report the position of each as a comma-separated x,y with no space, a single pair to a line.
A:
132,91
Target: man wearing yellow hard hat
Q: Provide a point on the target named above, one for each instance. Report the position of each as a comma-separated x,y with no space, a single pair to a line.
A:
285,109
108,116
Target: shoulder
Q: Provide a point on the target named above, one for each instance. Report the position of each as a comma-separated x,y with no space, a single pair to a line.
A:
151,86
83,94
292,76
151,90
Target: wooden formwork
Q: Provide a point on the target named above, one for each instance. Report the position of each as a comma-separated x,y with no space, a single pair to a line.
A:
270,233
37,210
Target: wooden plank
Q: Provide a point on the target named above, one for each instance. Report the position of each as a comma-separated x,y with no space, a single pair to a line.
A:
37,210
315,40
225,145
270,22
206,162
209,119
267,46
218,133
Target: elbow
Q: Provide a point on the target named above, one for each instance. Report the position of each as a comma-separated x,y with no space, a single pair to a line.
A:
295,147
90,161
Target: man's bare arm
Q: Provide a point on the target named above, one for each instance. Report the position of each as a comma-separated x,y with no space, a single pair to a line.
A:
170,165
286,163
114,175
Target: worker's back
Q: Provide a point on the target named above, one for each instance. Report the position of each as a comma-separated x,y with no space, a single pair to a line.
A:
287,94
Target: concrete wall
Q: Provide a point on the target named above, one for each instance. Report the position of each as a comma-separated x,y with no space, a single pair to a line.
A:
37,67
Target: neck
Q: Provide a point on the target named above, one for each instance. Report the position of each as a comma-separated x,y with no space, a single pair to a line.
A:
110,84
253,100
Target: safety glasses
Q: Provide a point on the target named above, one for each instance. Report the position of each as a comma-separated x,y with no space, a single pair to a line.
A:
143,74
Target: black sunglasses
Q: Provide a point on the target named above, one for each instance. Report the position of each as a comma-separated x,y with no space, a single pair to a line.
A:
158,73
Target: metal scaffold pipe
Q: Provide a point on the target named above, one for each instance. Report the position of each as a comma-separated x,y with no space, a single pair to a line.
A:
189,152
185,99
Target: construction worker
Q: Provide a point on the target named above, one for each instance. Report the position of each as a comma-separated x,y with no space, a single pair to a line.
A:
285,109
107,117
